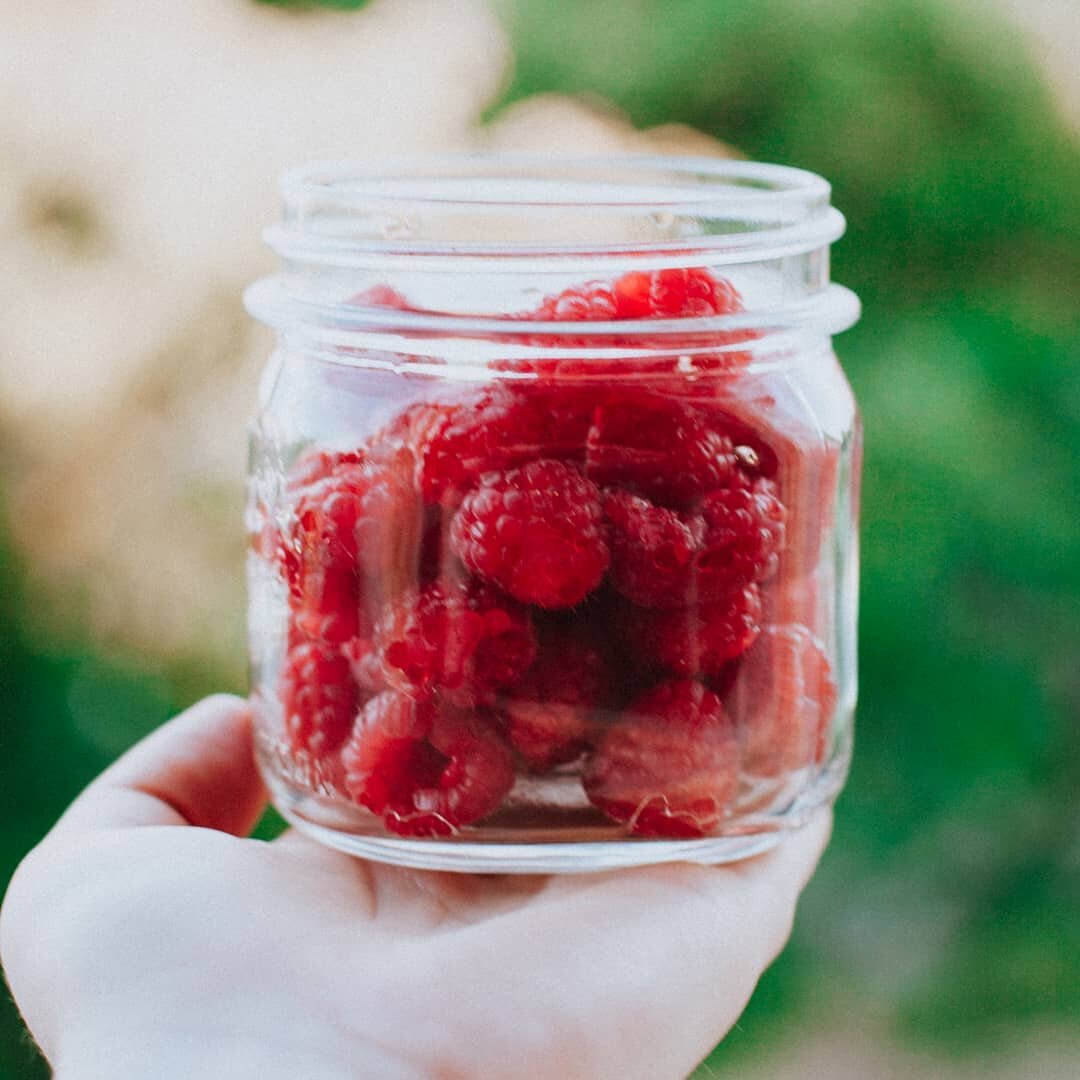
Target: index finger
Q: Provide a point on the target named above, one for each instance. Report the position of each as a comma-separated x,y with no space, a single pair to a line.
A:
198,769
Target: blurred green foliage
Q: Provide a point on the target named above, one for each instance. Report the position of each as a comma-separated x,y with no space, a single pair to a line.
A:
949,905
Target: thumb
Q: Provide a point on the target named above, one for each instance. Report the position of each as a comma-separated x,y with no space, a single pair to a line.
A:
198,769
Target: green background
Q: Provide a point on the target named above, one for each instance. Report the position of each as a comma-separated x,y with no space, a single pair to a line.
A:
948,908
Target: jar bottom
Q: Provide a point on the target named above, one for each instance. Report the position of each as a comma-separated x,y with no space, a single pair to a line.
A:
747,836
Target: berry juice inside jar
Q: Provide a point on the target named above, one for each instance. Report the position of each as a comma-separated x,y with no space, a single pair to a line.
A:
552,511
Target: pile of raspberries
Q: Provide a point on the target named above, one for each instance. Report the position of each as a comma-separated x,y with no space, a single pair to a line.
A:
548,573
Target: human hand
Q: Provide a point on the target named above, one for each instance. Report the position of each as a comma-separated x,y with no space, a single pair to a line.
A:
145,937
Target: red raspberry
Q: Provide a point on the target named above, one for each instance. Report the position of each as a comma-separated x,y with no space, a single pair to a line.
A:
657,294
319,699
382,296
753,454
593,302
695,640
321,563
674,294
670,767
364,663
664,559
477,776
453,637
548,713
744,532
328,609
268,542
787,436
783,701
652,550
317,465
390,529
428,769
499,428
663,449
536,531
388,754
354,544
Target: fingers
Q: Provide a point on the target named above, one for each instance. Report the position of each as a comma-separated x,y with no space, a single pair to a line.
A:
198,769
649,968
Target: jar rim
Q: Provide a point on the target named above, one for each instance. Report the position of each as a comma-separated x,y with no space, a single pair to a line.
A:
345,213
547,221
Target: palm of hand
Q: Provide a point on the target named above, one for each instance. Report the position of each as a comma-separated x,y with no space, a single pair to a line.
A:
209,954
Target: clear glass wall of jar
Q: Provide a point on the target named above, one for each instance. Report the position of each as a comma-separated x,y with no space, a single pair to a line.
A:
552,511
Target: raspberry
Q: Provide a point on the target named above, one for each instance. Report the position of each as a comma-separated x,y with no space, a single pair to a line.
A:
782,701
268,542
390,529
663,449
657,294
321,563
273,543
317,465
744,532
454,637
363,661
548,712
674,294
353,544
428,769
662,558
536,531
328,607
669,768
593,302
499,428
786,434
319,699
754,455
652,550
382,296
388,754
696,640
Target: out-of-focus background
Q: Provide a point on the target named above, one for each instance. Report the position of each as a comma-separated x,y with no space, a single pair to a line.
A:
139,148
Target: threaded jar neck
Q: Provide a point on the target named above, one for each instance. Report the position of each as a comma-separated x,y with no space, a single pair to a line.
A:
474,241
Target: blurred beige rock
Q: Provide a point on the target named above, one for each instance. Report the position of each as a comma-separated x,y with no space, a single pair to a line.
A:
139,151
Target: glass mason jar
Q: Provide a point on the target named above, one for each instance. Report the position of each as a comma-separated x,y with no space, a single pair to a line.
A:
552,511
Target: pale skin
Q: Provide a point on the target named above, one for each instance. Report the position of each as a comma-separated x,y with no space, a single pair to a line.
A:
146,936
